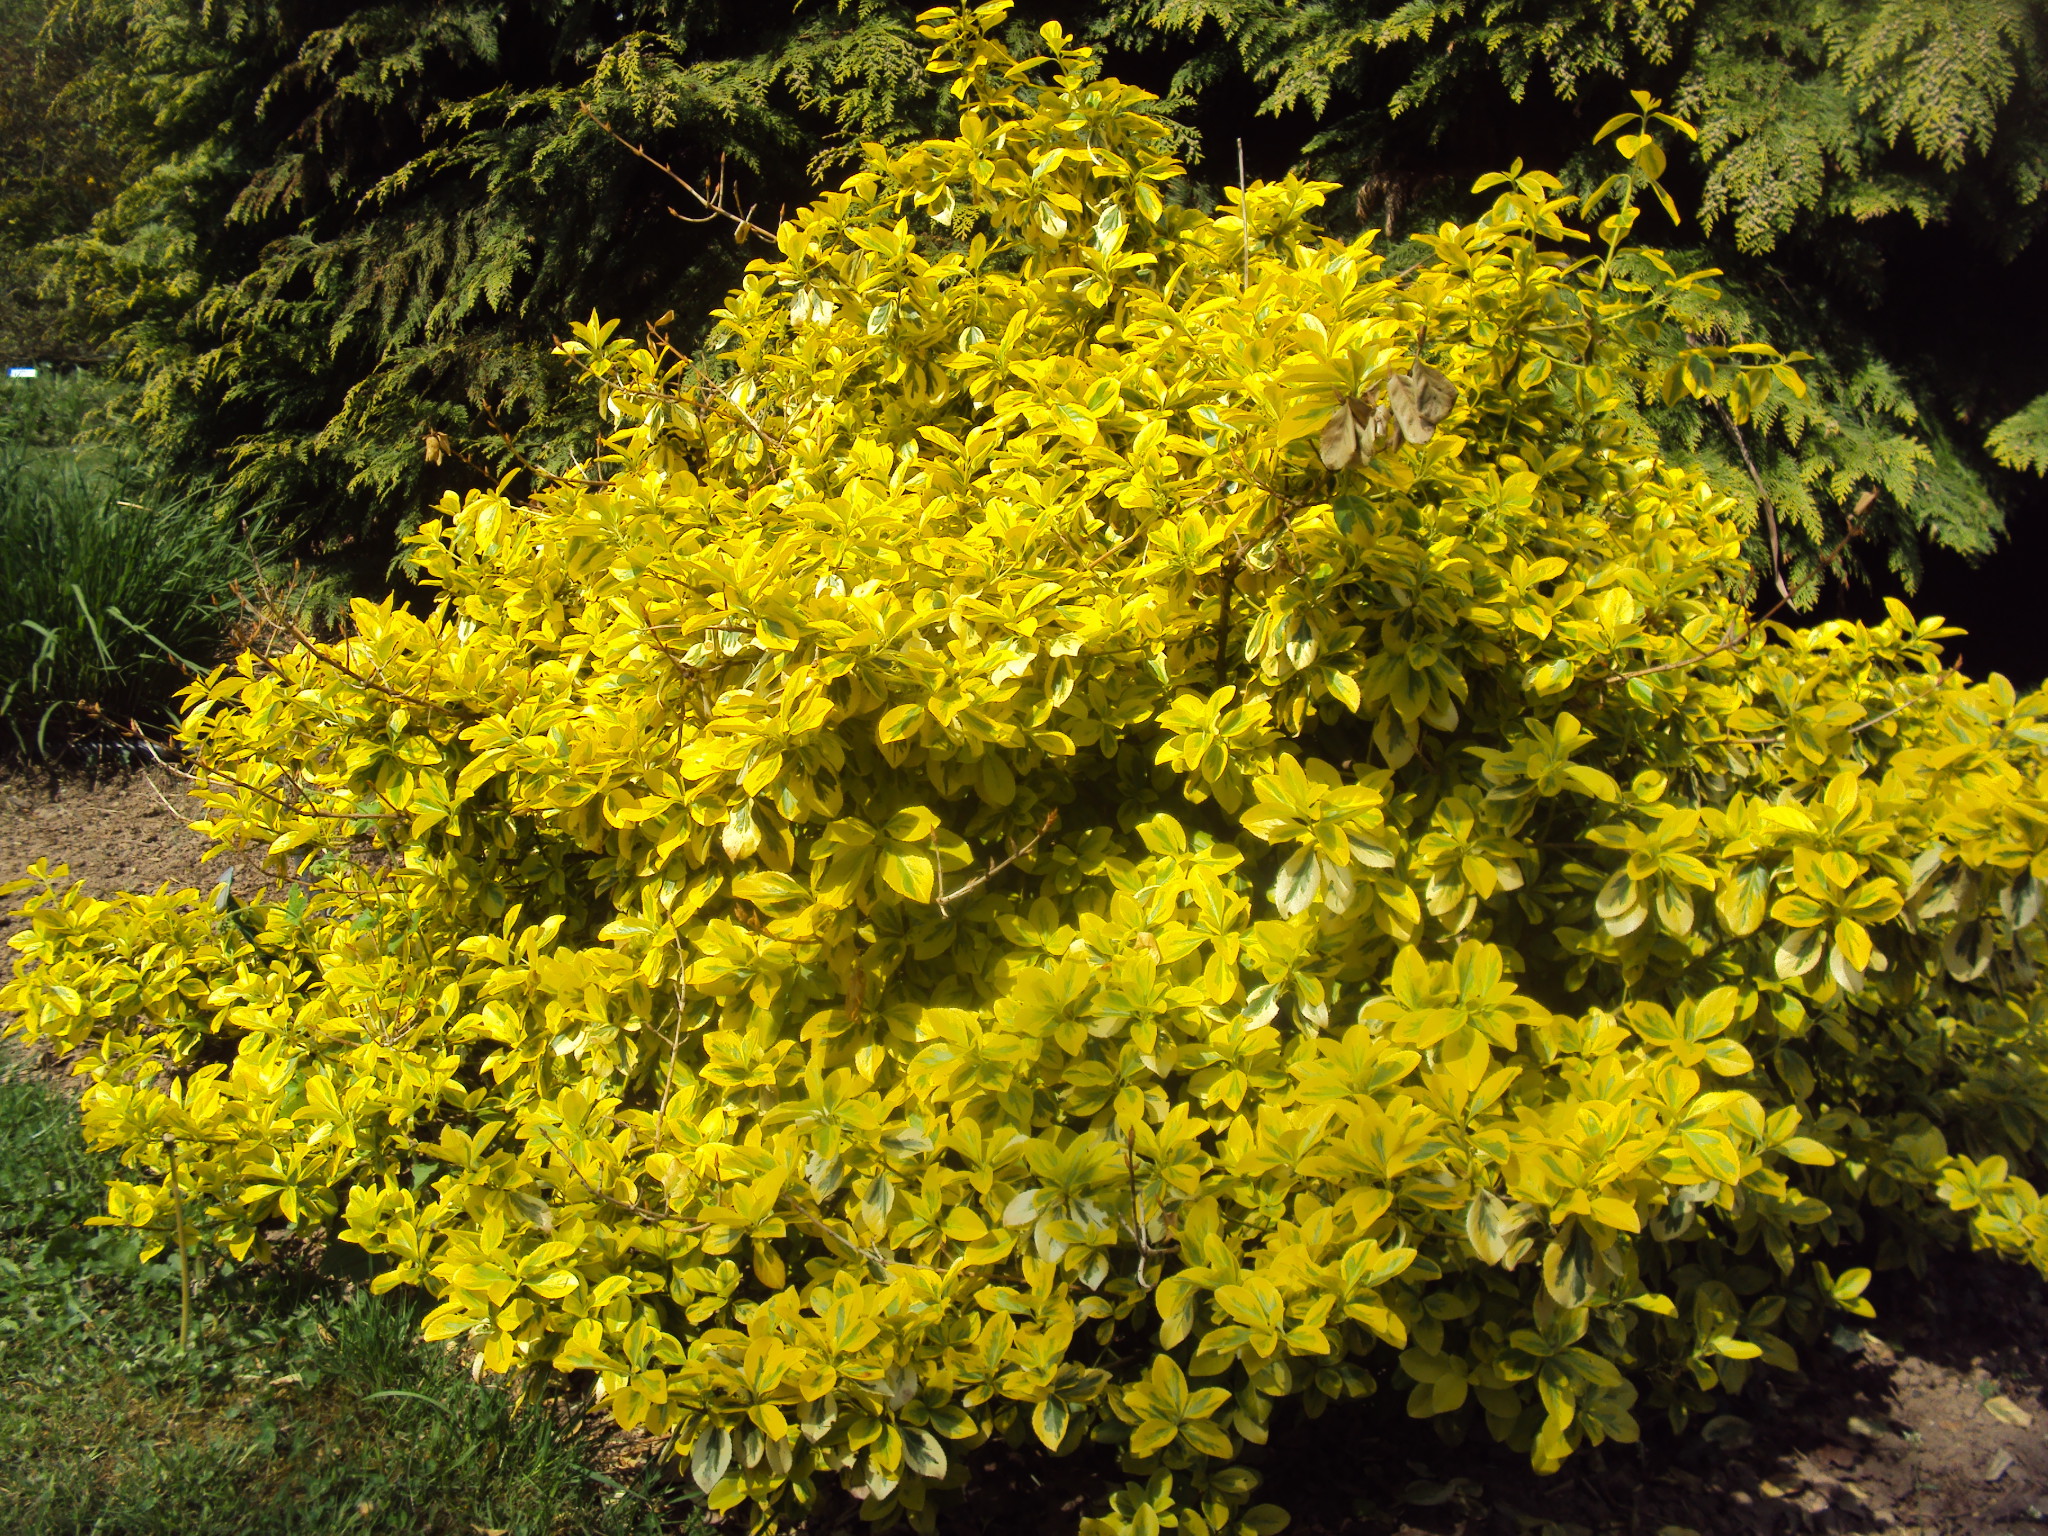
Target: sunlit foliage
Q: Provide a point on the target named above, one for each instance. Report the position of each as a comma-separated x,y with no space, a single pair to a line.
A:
1129,825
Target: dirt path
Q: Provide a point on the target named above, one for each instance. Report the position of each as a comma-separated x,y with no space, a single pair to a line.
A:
1931,1423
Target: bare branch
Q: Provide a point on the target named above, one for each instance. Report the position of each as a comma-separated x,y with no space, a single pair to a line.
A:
1769,507
713,206
1921,698
944,896
524,462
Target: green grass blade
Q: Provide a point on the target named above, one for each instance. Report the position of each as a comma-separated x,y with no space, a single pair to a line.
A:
99,643
189,666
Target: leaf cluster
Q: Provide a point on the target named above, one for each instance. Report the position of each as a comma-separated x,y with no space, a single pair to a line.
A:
958,881
1867,173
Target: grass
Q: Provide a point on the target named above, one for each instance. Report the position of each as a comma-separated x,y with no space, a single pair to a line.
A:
109,599
49,412
303,1405
112,596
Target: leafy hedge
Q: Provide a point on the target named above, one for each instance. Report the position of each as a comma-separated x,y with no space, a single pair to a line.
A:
1134,820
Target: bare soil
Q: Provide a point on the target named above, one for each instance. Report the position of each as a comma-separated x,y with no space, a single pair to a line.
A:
122,830
1930,1423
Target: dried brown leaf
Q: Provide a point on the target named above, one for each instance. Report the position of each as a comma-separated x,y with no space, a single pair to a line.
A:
1419,400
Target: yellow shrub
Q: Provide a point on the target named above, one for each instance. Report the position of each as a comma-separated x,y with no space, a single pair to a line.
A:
1011,863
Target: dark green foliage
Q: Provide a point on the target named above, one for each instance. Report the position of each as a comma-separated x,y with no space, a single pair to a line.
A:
302,1408
59,165
1867,174
48,414
363,224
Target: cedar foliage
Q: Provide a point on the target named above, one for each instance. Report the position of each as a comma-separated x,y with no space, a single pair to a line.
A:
362,224
1131,823
59,166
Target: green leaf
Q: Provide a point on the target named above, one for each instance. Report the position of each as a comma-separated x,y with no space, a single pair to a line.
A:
922,1452
1804,1149
1299,880
1713,1154
709,1457
909,874
1049,1422
899,723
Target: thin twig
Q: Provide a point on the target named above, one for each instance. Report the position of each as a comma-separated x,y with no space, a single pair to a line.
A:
675,1041
1734,639
726,399
1855,730
150,747
524,462
1103,555
713,206
602,1198
1230,569
944,896
184,1257
814,1218
1769,507
1244,219
1145,1248
390,814
312,648
1929,692
1863,504
717,392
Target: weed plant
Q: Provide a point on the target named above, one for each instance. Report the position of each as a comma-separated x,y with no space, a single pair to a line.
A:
108,599
303,1405
51,413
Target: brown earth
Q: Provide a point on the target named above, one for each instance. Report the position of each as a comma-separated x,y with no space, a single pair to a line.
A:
1930,1423
125,830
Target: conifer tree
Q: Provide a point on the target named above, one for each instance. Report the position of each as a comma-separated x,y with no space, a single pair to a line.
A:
362,226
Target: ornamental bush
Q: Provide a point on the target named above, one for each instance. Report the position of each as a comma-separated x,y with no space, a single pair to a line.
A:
1119,824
